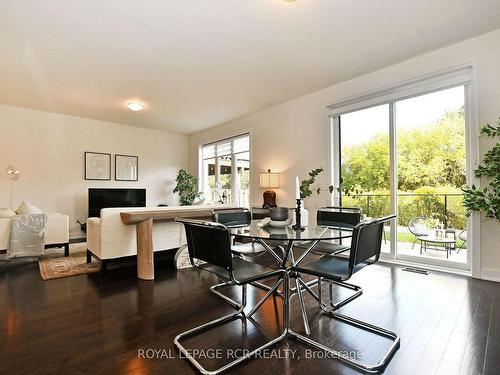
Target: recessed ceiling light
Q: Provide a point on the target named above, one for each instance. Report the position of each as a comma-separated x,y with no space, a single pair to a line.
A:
134,106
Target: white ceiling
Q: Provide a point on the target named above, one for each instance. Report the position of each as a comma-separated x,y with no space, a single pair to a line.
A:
198,63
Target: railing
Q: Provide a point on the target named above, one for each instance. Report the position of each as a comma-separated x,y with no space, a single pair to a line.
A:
225,196
429,205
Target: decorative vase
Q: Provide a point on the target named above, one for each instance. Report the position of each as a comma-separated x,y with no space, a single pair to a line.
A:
304,213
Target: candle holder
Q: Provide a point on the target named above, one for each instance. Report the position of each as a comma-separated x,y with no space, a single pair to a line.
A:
298,225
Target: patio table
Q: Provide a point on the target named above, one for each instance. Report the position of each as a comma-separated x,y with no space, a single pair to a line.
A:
436,243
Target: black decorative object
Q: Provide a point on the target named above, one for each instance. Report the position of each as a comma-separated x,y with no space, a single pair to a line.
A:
298,225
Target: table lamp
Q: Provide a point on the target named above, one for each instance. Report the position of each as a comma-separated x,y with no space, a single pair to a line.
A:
269,180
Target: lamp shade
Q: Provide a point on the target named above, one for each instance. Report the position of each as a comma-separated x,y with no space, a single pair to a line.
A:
269,179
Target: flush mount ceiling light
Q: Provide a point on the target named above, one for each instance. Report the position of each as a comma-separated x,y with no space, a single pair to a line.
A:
135,106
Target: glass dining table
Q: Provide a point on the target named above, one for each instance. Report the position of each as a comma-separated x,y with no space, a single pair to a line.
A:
284,238
287,236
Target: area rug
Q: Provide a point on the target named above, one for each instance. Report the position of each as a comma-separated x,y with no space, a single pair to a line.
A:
55,265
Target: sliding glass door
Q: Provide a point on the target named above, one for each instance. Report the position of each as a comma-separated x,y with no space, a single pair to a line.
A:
431,168
408,157
366,163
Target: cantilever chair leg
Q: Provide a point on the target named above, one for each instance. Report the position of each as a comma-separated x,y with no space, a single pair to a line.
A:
334,306
238,314
380,365
232,302
303,286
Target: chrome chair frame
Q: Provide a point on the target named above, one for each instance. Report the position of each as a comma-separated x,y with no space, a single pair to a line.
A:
240,313
353,220
394,337
214,289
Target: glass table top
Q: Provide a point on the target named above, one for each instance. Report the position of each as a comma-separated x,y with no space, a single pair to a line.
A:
310,233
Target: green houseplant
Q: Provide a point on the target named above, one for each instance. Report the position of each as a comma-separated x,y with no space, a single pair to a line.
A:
305,186
486,200
306,189
187,187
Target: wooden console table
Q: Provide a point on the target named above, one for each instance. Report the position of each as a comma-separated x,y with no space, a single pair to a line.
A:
143,221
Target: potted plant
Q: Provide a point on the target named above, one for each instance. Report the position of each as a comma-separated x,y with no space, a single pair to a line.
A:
486,200
306,190
187,187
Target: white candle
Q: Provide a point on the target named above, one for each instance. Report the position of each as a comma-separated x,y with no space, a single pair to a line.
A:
297,188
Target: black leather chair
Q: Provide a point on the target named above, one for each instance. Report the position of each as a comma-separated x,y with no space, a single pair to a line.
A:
234,218
209,248
365,250
347,217
238,217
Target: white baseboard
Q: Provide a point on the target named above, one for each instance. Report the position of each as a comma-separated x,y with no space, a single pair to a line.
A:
431,267
490,274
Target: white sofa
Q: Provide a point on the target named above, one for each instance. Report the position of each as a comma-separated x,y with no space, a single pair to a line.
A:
57,232
108,238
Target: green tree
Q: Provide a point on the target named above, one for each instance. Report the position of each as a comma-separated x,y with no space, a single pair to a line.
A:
431,155
366,166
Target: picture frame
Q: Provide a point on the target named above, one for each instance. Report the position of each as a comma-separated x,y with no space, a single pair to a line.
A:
126,167
97,166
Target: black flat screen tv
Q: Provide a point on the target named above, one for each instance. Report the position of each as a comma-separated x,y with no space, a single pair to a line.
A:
103,198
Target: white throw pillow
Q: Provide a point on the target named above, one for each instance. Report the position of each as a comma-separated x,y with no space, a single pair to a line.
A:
7,212
26,208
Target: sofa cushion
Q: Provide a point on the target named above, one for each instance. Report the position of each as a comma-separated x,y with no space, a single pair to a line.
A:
57,230
7,212
26,208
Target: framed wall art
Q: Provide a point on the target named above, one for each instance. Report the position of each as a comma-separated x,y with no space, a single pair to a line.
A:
97,166
126,168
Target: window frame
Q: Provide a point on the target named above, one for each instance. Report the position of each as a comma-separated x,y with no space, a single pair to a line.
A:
216,157
463,75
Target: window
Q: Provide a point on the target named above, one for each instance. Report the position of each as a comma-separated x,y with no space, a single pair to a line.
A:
225,171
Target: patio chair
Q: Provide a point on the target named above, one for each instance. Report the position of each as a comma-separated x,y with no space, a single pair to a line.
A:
463,236
418,228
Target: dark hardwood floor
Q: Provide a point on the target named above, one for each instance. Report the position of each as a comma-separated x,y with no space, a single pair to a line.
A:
92,324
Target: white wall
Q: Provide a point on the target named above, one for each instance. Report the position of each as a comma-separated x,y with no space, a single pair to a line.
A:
293,137
48,149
